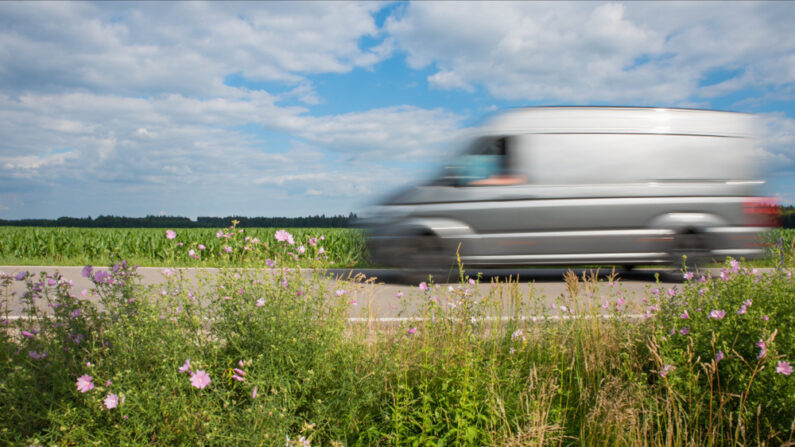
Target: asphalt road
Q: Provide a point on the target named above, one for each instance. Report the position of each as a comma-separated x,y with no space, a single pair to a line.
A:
380,296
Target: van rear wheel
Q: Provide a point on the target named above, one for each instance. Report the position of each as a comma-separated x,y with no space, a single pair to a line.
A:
691,250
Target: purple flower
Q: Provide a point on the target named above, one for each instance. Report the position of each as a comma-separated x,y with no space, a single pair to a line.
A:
36,356
284,236
84,383
185,366
688,276
684,315
27,334
665,370
412,331
724,276
702,279
763,349
735,265
784,368
75,313
765,317
719,356
254,393
671,292
717,314
170,234
684,331
21,276
101,276
227,249
200,379
112,401
424,286
269,263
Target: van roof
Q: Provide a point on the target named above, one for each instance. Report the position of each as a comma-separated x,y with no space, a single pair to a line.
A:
622,120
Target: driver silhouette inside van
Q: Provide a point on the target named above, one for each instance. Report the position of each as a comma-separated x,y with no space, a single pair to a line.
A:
490,164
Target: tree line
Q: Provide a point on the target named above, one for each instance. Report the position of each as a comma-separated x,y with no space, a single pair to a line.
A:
317,221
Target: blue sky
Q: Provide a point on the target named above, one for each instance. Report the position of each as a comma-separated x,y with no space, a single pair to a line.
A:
299,108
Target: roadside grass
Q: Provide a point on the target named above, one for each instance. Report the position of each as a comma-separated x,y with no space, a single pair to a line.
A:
269,357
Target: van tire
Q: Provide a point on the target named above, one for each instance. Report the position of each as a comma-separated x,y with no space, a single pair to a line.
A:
427,256
691,249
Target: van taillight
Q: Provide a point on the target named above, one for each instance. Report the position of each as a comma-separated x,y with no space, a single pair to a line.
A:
762,212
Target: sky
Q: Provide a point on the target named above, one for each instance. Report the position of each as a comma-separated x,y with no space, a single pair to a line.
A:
303,108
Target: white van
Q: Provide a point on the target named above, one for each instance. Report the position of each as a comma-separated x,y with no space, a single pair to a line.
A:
585,185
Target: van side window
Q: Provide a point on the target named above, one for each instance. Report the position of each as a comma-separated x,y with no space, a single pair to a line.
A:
488,163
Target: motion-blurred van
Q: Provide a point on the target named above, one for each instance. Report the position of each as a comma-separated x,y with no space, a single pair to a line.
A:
585,185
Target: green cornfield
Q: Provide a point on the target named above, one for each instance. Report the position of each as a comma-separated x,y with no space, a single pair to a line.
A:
151,247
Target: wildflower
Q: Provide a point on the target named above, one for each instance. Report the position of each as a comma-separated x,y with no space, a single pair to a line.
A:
735,265
684,315
784,367
765,317
107,384
655,290
665,370
27,334
340,292
399,295
684,331
512,351
301,249
36,356
185,366
717,314
424,286
313,241
517,335
254,393
471,281
236,377
200,379
239,372
84,383
724,276
284,236
170,234
21,276
719,356
412,331
260,302
647,315
671,292
192,254
763,348
605,305
688,276
227,249
112,401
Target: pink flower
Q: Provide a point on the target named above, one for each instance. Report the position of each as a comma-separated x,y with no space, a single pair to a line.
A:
112,401
717,314
471,282
236,377
412,331
735,265
170,234
260,302
688,276
724,276
684,331
227,249
399,295
313,241
784,368
765,317
254,393
202,247
301,249
27,334
684,315
340,292
200,379
665,370
719,356
763,349
424,286
84,383
185,367
284,236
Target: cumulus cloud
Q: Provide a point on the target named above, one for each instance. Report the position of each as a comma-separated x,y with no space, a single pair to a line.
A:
637,52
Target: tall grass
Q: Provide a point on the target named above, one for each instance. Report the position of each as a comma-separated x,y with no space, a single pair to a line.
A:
503,367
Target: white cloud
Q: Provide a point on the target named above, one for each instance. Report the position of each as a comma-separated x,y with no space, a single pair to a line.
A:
636,52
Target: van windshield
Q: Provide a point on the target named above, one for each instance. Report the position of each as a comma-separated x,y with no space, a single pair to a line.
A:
487,161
